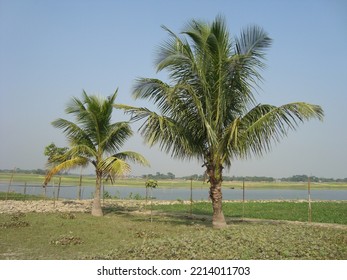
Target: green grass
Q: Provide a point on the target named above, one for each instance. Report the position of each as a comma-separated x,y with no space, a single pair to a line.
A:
124,236
18,196
322,212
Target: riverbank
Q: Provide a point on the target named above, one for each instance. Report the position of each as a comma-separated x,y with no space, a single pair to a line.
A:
71,206
75,180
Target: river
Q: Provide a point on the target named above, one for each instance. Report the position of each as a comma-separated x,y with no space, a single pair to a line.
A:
71,192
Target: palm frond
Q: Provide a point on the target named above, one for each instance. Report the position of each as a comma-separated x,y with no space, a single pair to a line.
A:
65,165
113,167
73,132
266,124
171,136
81,150
133,157
136,113
253,42
247,60
174,54
229,141
115,137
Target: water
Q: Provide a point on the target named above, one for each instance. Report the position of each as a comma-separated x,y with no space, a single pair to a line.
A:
69,192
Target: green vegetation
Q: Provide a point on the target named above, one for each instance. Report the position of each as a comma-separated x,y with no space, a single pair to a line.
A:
322,212
18,196
55,154
122,235
208,111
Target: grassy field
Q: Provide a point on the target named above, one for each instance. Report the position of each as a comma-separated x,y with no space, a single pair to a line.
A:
19,196
322,212
118,235
73,180
127,233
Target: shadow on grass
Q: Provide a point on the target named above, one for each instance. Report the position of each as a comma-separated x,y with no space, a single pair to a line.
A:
203,218
160,217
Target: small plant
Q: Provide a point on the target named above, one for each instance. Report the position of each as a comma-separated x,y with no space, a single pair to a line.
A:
135,196
107,195
68,216
17,216
14,224
65,240
15,221
117,195
150,184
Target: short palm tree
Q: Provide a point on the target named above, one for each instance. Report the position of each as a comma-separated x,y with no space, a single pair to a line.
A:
94,139
208,110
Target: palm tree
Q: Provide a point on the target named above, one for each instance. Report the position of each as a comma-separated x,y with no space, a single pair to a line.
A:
208,110
94,139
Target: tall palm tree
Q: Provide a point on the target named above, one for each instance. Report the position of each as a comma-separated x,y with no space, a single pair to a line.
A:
208,110
94,139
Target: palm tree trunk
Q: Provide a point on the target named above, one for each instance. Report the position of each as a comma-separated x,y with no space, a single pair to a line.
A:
96,208
218,220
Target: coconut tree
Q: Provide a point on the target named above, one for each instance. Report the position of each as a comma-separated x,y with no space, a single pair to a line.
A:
208,110
94,139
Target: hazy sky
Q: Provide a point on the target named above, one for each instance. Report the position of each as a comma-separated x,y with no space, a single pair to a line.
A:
52,50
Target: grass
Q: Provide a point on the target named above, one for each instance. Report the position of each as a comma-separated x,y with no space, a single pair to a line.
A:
322,212
124,236
19,196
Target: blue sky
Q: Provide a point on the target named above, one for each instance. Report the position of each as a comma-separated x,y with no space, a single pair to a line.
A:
52,50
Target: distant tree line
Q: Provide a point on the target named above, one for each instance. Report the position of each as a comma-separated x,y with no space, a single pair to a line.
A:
160,176
232,178
251,178
25,171
304,178
294,178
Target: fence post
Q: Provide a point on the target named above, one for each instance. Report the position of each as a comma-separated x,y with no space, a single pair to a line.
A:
25,189
10,184
79,186
53,194
45,190
103,192
243,198
191,196
58,192
151,204
309,201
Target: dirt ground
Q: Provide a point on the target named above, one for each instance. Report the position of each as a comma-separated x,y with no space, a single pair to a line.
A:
41,206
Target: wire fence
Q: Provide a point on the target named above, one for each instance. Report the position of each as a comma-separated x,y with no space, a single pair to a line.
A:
19,190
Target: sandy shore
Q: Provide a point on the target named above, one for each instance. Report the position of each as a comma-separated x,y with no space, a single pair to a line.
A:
41,206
